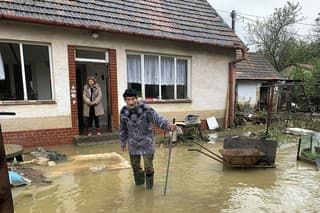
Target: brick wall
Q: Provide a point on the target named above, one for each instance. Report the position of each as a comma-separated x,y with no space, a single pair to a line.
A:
204,125
40,137
73,83
113,88
57,136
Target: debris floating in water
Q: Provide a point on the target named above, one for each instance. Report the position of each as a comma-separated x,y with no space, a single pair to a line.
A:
212,137
92,162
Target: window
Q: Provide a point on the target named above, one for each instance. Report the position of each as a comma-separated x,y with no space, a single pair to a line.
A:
151,77
134,73
89,55
157,77
25,72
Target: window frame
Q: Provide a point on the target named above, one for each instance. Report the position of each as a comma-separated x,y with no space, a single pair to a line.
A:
92,60
175,57
24,83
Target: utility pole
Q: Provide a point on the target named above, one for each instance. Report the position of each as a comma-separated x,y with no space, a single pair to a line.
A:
233,15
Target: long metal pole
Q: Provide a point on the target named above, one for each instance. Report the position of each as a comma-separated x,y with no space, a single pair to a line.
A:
270,106
299,147
168,166
221,158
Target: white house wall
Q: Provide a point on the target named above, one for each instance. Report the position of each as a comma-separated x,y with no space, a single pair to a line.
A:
248,92
209,73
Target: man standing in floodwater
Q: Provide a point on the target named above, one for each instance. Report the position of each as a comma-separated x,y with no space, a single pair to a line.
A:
136,121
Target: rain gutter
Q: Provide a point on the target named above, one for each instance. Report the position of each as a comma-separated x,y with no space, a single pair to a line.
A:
231,92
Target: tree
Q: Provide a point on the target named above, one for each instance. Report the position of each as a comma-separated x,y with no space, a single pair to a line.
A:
315,42
316,29
272,35
295,51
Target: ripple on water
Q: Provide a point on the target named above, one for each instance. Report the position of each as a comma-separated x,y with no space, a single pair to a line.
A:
196,184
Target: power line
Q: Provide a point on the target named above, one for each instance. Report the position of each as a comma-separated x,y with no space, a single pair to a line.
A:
306,24
248,19
243,15
243,18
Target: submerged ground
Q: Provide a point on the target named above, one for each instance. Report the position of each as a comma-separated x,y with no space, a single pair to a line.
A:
196,184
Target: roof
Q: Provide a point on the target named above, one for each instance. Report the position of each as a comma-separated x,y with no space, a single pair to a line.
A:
256,67
306,66
181,20
288,71
303,66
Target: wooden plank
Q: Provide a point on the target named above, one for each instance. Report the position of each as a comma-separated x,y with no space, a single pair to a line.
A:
6,204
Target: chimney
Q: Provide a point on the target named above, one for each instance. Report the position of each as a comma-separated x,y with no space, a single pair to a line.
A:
233,16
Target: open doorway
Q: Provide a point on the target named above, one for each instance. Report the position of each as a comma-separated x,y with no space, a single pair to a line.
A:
88,63
263,100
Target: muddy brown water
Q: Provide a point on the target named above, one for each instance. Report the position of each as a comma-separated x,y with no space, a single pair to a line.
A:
196,184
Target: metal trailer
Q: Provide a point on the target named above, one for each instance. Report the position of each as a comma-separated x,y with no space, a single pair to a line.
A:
239,157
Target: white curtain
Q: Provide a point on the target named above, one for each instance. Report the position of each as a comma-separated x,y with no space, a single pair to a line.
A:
134,68
167,71
151,70
181,72
2,74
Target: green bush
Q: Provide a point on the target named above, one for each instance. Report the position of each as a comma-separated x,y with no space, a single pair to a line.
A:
309,155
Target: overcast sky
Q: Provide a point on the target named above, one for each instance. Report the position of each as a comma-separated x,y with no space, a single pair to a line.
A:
252,9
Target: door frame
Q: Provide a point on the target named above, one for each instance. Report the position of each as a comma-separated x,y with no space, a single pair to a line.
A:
112,87
105,62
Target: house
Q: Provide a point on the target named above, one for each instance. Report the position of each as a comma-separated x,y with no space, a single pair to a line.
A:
294,71
178,55
253,76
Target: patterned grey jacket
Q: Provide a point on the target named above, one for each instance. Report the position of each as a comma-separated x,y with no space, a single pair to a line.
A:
136,127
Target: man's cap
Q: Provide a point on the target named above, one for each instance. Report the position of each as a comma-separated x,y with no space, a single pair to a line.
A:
129,93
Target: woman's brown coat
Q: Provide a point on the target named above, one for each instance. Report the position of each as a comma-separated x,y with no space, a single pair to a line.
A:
98,108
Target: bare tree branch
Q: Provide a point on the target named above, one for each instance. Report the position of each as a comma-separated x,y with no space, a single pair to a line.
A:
271,35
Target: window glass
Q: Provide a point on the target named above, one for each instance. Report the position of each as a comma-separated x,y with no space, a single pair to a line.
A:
182,79
151,76
11,87
91,54
37,72
164,81
2,72
134,73
167,77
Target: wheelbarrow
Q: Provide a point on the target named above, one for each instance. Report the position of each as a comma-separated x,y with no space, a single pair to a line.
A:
237,157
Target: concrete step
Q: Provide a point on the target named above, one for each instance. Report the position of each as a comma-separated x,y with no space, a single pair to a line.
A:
110,137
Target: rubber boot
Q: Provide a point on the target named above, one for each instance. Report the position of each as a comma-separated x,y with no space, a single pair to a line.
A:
139,178
149,182
98,131
89,132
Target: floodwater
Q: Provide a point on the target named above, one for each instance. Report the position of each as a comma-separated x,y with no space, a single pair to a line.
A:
196,184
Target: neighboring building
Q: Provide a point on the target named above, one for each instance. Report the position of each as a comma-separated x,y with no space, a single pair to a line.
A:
305,70
252,77
177,54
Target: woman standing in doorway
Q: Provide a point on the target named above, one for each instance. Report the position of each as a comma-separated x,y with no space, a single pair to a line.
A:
92,106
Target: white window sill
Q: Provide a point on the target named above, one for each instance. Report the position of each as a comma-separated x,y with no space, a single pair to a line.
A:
168,101
31,102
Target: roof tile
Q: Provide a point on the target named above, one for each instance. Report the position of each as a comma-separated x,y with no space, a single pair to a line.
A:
187,20
256,67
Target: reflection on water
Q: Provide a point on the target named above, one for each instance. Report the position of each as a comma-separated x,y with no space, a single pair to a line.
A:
196,184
